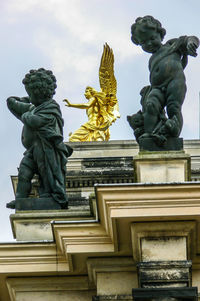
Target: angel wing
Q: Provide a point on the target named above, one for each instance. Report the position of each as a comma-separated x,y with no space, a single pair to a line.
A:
107,78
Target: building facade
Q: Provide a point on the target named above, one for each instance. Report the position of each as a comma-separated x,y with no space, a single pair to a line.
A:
131,231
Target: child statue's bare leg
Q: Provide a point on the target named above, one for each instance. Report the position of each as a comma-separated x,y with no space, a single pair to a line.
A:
175,97
152,110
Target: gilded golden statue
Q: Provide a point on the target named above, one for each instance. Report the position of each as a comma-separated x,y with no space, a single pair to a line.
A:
102,107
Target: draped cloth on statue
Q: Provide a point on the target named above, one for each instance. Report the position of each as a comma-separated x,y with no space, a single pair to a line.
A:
48,154
89,132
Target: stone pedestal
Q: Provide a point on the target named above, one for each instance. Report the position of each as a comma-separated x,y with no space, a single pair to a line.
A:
162,167
163,250
37,225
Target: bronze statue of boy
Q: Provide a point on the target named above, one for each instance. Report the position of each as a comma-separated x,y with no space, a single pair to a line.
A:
42,136
167,79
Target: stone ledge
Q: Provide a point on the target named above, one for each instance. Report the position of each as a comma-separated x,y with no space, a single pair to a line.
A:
36,225
112,297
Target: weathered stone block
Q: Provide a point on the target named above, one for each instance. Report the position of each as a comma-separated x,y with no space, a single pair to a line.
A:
160,167
164,248
164,274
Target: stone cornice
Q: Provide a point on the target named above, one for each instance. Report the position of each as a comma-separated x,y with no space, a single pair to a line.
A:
122,210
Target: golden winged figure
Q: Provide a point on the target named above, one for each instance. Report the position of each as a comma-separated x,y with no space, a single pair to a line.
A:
102,107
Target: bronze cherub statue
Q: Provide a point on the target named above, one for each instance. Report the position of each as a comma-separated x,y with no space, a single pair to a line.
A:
167,80
42,136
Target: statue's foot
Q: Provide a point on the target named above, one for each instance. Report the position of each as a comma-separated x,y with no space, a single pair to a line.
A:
11,205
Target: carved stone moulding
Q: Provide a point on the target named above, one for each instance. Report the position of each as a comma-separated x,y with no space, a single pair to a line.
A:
164,274
166,294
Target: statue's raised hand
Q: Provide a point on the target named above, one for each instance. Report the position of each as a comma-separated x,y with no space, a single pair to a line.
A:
192,46
68,104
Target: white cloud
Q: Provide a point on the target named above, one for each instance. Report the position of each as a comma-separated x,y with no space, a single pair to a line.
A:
75,17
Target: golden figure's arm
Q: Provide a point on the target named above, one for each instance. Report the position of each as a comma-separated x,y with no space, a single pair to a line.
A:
85,105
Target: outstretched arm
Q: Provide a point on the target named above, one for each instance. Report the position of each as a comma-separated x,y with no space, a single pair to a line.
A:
22,109
187,45
18,106
85,105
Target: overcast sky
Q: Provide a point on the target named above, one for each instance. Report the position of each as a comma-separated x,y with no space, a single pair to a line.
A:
67,37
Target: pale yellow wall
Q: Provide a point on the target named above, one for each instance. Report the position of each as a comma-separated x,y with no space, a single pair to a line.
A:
120,283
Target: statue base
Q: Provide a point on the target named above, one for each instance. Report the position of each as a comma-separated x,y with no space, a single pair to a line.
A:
162,167
35,204
172,144
37,225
